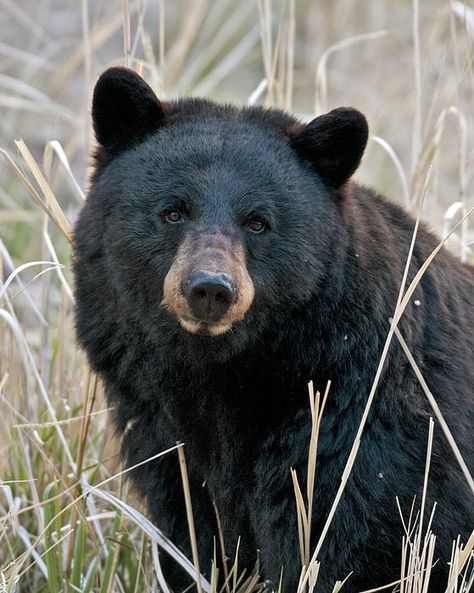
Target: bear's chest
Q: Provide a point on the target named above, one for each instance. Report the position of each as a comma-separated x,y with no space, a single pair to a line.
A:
224,418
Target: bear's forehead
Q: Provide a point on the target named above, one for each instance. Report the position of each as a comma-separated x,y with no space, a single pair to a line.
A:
217,132
203,161
199,120
203,145
230,142
211,164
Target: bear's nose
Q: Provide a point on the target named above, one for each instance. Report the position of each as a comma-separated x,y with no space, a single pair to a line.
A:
209,295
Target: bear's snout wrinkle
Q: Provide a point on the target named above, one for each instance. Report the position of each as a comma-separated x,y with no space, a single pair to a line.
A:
209,295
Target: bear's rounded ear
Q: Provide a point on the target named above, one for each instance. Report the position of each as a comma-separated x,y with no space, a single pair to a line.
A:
333,144
124,109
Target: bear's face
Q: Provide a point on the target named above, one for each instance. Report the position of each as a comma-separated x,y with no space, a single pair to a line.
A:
214,217
208,229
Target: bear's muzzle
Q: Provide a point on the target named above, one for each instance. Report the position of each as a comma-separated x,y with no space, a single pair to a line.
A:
208,286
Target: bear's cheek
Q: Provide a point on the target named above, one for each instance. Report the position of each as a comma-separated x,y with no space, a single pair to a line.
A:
138,254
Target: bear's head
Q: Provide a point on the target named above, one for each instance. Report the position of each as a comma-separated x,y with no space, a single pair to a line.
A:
209,221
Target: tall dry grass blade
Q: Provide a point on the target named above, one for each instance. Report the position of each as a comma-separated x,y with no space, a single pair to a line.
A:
311,470
250,585
6,263
265,14
304,513
127,45
222,547
235,568
419,275
325,397
301,517
63,422
271,53
454,210
157,566
149,61
407,571
87,54
290,58
48,201
191,19
59,267
466,552
24,180
317,409
417,123
430,151
89,400
314,399
340,584
161,40
278,97
417,556
465,14
112,573
15,273
53,147
313,576
189,514
439,416
257,93
398,166
300,580
4,380
425,481
321,95
32,480
453,565
390,586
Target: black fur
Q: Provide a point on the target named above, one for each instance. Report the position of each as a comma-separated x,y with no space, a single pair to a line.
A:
326,273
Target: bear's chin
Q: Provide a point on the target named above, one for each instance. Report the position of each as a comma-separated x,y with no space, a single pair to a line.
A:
204,329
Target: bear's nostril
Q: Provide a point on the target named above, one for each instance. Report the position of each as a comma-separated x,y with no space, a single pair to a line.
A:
209,295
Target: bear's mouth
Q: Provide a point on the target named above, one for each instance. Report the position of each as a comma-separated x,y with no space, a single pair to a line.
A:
203,328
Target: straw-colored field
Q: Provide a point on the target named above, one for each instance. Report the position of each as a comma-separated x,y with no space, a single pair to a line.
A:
406,65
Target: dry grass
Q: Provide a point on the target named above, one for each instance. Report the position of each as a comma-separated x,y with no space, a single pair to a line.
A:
67,521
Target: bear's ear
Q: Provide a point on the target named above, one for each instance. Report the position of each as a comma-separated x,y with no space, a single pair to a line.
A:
333,144
124,109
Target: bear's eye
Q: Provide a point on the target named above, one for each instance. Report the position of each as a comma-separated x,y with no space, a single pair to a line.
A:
256,225
173,217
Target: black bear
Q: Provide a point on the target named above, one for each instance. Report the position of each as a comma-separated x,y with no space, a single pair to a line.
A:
223,260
